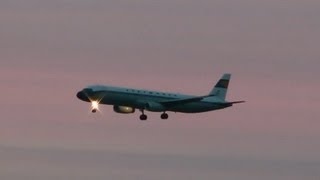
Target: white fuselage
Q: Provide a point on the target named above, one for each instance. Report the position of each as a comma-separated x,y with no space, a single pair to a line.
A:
137,98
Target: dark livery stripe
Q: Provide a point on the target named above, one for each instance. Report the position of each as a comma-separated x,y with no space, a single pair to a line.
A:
223,83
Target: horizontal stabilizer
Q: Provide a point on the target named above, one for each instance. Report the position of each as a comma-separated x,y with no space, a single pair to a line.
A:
237,102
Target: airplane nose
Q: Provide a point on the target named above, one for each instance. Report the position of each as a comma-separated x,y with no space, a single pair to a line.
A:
81,95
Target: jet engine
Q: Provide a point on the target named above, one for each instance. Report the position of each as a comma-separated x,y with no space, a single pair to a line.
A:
123,109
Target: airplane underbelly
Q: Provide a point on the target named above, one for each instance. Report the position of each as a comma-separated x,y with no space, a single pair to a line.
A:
195,108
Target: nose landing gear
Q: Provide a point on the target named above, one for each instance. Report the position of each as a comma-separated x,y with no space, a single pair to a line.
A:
94,106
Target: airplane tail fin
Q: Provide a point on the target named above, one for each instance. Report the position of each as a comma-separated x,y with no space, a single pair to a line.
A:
221,88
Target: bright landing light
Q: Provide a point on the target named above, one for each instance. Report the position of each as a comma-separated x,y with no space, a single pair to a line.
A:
95,105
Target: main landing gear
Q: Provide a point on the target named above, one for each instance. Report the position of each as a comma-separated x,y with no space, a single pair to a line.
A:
144,117
164,116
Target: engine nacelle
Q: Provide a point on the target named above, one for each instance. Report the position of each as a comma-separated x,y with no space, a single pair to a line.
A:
123,109
154,106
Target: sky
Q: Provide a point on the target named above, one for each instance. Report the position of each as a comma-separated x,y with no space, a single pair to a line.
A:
49,50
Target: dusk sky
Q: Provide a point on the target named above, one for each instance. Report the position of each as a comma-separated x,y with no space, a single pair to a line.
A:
49,50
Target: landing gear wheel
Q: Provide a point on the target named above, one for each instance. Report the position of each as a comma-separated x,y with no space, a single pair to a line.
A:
143,117
164,116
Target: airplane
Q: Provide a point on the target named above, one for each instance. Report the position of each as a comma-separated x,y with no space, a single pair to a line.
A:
127,100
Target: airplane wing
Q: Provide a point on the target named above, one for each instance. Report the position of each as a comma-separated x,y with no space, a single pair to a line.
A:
194,99
183,101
